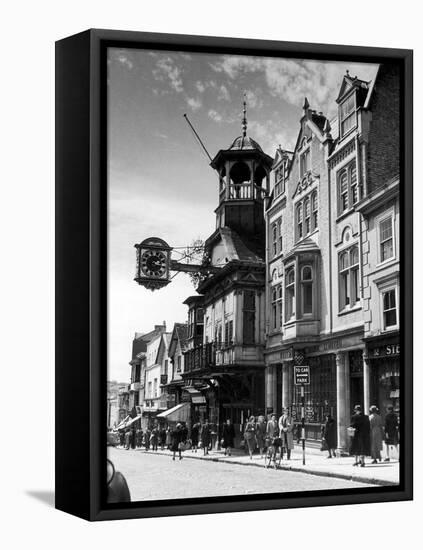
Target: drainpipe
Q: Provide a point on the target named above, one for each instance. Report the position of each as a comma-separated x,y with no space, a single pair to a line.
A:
330,252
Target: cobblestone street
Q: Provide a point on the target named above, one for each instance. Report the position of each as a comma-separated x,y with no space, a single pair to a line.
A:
156,477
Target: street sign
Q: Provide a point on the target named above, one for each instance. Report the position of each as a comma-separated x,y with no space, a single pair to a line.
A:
302,375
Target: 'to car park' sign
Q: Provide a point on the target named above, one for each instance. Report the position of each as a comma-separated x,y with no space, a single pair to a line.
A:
302,375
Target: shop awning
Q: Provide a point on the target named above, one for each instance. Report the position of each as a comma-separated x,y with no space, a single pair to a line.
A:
180,413
132,420
198,399
122,424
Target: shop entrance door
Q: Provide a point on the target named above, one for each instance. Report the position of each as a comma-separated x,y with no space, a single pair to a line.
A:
356,391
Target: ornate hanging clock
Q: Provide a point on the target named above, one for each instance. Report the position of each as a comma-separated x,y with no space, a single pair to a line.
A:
153,263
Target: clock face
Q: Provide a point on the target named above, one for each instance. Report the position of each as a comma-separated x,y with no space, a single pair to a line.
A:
153,263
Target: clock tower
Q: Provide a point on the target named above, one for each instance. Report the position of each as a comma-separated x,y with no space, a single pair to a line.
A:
244,172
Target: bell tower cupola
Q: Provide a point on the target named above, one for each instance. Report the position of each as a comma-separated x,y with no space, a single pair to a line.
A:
244,180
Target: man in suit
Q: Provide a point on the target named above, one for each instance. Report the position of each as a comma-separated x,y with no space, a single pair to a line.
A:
286,425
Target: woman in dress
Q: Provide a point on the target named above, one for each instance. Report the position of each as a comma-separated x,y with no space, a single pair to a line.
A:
195,431
261,434
329,435
391,431
205,437
175,446
228,436
250,435
376,434
360,445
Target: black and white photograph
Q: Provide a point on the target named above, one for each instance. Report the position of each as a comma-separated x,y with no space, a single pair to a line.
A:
253,275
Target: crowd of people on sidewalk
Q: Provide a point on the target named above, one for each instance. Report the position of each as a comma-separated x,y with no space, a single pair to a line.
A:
367,436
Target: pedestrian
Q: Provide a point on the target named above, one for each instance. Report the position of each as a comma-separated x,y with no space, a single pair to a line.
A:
228,436
127,439
168,437
360,444
176,445
261,434
376,434
250,435
329,435
272,428
122,438
195,431
286,425
147,437
154,438
162,437
205,437
391,431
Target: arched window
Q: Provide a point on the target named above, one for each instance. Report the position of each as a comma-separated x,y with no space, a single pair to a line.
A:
348,190
349,286
307,290
307,224
314,209
300,221
277,307
290,293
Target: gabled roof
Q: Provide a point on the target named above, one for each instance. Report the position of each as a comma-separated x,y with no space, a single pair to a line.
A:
179,334
163,346
349,82
306,246
139,343
236,248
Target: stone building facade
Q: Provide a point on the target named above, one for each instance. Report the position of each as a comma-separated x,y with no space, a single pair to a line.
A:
320,237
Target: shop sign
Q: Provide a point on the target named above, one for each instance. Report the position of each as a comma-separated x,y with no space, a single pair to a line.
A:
302,375
391,350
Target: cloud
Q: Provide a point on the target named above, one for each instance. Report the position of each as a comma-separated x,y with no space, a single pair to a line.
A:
200,86
166,69
292,80
122,58
223,93
194,103
214,115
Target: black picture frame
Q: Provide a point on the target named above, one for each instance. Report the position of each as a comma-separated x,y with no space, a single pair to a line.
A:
81,278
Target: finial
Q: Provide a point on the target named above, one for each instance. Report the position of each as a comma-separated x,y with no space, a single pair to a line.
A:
327,129
244,117
306,104
347,72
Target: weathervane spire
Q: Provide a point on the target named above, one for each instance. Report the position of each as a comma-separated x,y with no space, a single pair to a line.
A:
244,116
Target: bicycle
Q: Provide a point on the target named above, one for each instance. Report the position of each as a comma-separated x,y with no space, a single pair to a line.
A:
273,452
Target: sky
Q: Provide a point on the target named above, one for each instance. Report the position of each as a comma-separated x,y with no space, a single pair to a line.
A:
159,179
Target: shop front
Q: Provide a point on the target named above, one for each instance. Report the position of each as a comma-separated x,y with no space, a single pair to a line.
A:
383,355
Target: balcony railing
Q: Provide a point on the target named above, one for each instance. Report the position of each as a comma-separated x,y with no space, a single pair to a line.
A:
208,356
241,191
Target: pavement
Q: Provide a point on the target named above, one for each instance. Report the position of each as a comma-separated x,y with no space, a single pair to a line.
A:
383,473
155,476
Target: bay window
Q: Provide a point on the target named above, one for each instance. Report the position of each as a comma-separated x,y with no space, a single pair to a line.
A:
307,290
290,293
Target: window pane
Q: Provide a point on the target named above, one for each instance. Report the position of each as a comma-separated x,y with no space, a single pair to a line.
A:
385,229
389,300
354,256
306,273
391,318
344,261
387,250
307,298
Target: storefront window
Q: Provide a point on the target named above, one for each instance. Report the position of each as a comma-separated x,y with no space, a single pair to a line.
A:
320,395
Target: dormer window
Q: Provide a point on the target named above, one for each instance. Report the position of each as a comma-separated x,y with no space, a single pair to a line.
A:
347,115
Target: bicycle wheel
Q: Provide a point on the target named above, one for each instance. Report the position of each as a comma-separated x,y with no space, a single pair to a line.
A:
278,457
268,458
